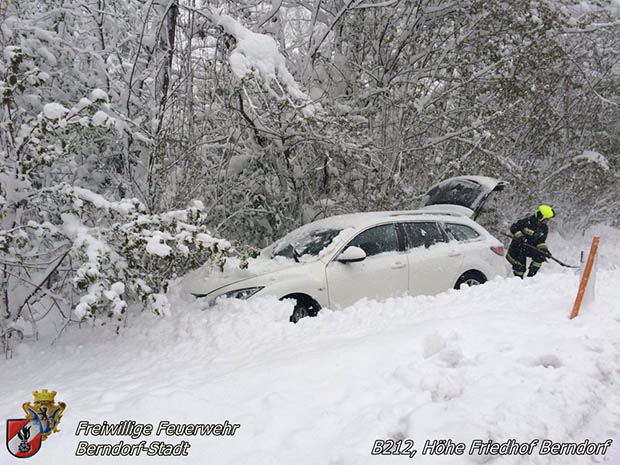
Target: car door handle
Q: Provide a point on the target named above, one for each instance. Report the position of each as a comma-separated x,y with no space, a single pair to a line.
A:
454,254
398,265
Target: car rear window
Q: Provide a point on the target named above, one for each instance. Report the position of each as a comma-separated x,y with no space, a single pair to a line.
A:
422,234
462,232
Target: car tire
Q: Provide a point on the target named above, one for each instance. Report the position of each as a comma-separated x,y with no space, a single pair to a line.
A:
304,307
471,278
299,312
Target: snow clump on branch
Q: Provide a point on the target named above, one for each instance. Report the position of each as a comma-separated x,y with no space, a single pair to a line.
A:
260,52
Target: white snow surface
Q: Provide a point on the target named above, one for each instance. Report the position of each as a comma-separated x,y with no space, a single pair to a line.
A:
100,118
494,362
99,94
54,110
157,246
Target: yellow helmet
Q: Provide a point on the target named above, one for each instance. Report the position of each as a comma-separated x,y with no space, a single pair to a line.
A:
544,212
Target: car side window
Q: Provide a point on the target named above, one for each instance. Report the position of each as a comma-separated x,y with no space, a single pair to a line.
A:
377,240
462,232
423,234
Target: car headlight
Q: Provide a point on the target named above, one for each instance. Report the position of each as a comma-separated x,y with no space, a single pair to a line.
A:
242,294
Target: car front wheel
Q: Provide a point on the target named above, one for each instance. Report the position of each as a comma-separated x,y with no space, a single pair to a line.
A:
299,312
305,306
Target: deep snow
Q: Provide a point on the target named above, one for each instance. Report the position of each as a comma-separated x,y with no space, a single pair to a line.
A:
498,361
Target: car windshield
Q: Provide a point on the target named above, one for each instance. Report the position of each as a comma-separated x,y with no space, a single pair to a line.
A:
304,243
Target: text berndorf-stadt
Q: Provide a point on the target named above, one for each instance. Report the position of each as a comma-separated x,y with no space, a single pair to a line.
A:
135,430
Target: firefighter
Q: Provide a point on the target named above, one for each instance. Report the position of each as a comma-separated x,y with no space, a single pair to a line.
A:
529,236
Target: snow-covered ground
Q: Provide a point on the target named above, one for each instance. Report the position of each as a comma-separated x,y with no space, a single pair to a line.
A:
495,362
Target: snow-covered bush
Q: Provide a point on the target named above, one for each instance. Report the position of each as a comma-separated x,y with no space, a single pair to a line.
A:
74,249
132,255
64,246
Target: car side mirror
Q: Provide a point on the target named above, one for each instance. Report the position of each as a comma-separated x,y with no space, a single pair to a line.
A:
352,254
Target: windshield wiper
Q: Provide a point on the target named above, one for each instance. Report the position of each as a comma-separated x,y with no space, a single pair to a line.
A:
295,254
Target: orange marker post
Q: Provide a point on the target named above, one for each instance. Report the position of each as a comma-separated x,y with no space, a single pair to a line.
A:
585,277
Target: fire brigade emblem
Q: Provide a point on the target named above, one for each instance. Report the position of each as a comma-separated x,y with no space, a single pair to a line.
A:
24,435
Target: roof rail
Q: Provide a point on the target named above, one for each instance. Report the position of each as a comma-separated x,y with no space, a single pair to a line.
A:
425,213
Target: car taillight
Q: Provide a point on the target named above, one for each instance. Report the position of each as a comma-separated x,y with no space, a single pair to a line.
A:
498,249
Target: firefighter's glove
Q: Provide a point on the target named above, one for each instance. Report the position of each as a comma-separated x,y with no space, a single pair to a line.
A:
544,254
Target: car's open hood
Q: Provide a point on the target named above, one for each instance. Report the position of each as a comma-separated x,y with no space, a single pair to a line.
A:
464,195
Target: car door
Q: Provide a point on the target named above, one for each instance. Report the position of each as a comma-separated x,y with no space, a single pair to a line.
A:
434,263
382,274
469,241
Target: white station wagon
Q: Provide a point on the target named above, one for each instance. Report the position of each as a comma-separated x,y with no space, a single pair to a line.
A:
336,261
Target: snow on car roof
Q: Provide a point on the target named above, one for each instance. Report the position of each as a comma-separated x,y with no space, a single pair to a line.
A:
363,219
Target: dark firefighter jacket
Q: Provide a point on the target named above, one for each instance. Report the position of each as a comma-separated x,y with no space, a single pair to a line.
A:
533,232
